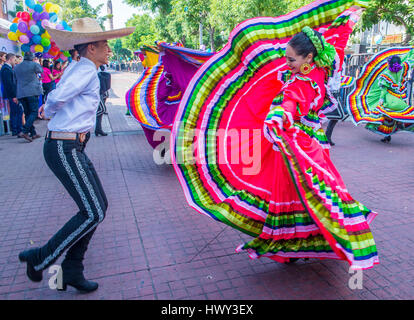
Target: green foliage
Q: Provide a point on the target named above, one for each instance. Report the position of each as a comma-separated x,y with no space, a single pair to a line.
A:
180,20
145,32
73,9
398,12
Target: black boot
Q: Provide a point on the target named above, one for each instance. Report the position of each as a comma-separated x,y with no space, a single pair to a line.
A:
292,260
98,133
72,275
387,139
26,256
72,267
98,127
329,130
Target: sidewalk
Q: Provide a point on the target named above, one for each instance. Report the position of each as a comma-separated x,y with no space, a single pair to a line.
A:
152,245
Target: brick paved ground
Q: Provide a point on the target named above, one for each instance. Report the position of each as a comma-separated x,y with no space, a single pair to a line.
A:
152,245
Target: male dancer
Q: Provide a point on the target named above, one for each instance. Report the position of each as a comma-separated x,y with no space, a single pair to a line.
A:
72,107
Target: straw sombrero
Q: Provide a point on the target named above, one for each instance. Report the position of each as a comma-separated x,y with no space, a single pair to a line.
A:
85,30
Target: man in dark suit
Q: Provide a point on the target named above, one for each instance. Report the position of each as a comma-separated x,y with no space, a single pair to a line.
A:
8,79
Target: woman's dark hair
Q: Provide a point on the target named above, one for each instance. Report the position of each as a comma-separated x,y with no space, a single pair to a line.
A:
55,65
303,45
46,63
393,60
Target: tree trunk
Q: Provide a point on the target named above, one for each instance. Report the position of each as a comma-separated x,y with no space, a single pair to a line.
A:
200,30
211,31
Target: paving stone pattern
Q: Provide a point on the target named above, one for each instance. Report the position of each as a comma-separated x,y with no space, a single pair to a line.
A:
152,245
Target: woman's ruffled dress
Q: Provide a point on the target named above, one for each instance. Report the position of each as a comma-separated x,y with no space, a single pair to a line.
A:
377,82
238,163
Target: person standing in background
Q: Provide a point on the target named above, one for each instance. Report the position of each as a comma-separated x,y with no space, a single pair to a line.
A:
8,80
104,86
48,80
29,89
57,72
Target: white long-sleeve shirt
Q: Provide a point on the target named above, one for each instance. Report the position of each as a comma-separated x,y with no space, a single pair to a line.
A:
73,104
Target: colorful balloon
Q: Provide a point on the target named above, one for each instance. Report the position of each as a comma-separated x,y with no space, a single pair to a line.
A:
22,27
30,3
54,8
37,39
35,29
25,48
53,17
12,36
13,27
44,15
38,48
25,16
38,8
45,35
24,39
45,23
48,5
45,42
36,16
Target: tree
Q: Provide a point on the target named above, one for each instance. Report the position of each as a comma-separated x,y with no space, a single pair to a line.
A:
145,32
398,12
73,9
162,6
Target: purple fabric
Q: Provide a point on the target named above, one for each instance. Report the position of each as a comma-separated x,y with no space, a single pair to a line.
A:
166,88
181,71
149,134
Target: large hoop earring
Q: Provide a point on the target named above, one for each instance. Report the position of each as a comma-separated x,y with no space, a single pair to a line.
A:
305,68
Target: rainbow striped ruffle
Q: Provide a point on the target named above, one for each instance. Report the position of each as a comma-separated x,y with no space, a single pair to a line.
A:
363,100
347,81
147,99
230,172
141,99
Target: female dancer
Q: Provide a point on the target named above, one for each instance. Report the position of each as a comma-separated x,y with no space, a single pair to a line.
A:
380,97
275,182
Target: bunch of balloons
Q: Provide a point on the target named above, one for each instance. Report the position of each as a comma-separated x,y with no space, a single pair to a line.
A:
28,29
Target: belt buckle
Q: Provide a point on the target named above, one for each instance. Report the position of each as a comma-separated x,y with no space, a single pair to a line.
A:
62,135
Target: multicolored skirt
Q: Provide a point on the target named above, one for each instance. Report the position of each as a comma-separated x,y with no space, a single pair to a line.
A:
237,166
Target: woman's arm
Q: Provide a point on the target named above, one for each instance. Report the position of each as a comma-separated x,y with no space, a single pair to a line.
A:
296,101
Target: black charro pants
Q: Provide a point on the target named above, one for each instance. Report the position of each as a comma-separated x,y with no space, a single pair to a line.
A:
69,163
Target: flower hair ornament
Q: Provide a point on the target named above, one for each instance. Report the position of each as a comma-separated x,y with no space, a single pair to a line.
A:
395,67
326,51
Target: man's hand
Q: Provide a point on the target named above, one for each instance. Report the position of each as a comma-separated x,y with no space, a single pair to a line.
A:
41,112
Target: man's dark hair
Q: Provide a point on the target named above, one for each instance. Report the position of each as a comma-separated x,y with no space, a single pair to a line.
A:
303,45
28,56
46,63
73,52
83,48
9,56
